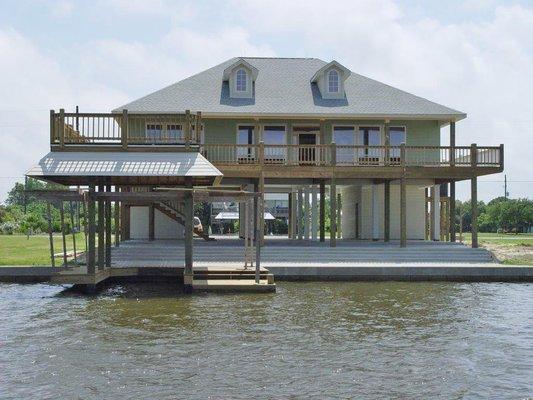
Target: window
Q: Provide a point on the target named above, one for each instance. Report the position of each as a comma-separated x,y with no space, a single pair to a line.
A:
153,131
333,81
369,136
397,137
344,136
240,80
245,136
275,135
174,133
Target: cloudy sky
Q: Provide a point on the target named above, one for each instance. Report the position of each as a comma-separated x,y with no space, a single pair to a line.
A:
472,55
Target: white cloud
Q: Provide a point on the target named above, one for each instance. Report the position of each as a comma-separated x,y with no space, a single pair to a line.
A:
481,67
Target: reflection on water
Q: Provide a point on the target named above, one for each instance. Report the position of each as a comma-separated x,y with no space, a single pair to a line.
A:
308,340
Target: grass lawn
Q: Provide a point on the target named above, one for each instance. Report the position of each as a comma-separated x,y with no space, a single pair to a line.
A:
19,250
509,248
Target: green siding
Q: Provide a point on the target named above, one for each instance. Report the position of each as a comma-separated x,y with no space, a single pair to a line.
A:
419,133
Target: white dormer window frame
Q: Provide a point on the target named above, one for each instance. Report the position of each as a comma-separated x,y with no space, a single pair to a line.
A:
241,80
333,81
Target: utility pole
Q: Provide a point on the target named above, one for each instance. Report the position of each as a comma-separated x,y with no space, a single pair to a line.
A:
505,192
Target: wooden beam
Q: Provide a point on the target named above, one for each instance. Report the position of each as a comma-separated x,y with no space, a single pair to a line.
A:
333,213
108,230
188,210
91,256
386,219
403,200
73,232
63,236
117,220
322,211
50,233
101,231
452,143
124,130
473,196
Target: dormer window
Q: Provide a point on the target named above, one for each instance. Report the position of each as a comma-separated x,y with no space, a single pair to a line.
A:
241,76
240,80
333,81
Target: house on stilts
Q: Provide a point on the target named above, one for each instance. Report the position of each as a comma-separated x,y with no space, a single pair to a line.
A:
359,162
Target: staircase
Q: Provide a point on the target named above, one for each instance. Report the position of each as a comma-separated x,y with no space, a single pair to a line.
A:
232,279
174,210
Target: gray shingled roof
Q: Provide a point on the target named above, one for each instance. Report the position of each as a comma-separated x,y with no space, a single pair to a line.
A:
283,87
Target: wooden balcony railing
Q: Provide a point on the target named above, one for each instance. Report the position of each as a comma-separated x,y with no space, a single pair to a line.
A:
123,129
370,156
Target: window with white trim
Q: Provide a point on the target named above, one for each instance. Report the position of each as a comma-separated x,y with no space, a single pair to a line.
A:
397,137
153,131
241,80
333,81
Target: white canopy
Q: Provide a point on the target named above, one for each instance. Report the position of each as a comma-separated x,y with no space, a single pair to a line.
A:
235,215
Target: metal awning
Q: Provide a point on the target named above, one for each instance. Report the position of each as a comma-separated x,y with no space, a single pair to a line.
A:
126,168
232,215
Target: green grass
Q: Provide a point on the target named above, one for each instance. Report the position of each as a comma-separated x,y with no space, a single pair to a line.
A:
511,249
19,250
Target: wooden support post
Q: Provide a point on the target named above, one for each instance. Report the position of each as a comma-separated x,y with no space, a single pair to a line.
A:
289,219
63,236
262,192
403,200
305,212
387,143
108,230
73,231
333,199
117,219
473,196
124,130
52,127
338,223
50,233
101,231
198,127
386,219
257,211
151,222
188,210
322,211
453,235
452,143
91,223
62,128
314,213
187,129
85,222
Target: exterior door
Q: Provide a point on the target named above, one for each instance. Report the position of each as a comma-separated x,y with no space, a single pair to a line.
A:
307,151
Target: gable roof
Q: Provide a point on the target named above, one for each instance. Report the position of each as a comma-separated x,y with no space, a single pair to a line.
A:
240,62
283,88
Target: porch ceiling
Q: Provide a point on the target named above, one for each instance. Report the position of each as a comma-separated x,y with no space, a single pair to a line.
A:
125,168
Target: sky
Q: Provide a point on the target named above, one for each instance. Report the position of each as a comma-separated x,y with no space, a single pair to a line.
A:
475,56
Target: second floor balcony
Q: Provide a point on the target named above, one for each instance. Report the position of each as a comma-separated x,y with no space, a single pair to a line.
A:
183,132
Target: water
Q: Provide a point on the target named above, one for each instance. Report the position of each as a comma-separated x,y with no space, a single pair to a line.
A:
308,340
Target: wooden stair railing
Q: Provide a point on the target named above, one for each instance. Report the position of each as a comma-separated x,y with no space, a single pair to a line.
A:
177,215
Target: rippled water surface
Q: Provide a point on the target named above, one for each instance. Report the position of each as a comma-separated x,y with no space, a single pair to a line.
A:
308,340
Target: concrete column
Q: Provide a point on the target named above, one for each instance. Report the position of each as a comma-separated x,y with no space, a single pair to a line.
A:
375,212
322,211
386,216
299,214
314,213
435,212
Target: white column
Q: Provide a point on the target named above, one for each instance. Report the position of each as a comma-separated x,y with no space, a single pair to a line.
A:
306,213
314,212
435,202
375,212
294,215
299,214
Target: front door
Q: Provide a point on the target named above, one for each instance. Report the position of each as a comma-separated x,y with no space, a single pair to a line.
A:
307,150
